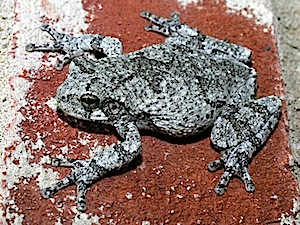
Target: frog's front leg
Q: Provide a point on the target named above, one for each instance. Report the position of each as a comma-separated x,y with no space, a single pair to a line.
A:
86,172
240,132
88,44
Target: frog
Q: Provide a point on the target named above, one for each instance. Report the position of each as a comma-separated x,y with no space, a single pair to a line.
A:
189,84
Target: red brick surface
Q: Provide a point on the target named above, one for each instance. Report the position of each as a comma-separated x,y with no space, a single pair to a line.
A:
172,185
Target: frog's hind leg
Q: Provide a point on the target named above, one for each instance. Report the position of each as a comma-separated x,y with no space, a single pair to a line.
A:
240,132
172,27
169,27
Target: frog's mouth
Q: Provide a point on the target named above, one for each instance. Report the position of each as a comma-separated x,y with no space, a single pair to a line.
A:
98,116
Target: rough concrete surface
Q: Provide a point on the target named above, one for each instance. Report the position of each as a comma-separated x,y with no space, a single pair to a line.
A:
6,21
287,21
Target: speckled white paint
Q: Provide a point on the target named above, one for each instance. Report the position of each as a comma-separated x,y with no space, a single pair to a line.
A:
52,103
184,3
293,217
46,177
24,28
58,222
86,219
257,8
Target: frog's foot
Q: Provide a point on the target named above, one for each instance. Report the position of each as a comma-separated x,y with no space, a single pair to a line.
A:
84,173
168,27
72,47
236,164
241,130
61,41
65,43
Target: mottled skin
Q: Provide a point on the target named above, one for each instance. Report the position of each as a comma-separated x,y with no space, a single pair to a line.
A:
179,88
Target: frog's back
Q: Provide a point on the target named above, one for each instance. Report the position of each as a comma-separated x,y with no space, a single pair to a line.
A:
179,90
199,72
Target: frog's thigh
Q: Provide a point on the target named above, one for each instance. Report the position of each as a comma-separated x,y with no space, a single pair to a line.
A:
252,122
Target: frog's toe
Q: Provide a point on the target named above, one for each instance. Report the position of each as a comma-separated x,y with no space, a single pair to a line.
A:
81,206
65,182
217,164
175,16
220,188
45,27
81,196
161,21
58,162
47,192
236,164
242,172
151,17
59,65
82,188
168,26
148,28
145,14
246,178
160,29
84,173
30,47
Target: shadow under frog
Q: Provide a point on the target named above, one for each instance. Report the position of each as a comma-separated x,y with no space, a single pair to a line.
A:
191,84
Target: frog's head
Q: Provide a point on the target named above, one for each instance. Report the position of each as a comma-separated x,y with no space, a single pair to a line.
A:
80,99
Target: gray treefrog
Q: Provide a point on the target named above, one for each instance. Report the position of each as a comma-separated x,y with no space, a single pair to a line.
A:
181,87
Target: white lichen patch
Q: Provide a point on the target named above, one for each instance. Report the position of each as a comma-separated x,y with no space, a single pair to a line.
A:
16,167
20,87
39,144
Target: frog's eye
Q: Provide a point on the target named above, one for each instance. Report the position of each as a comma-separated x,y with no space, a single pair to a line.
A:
89,101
